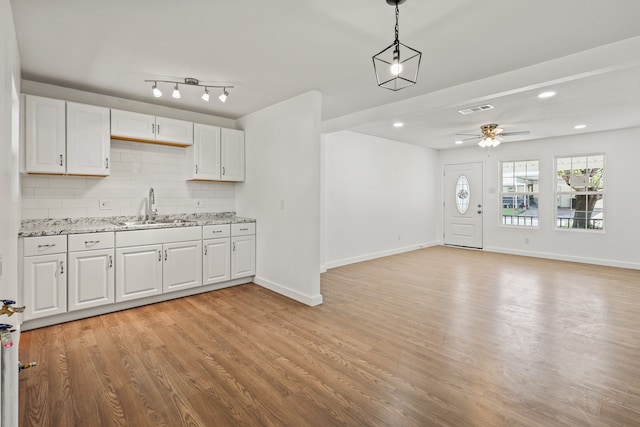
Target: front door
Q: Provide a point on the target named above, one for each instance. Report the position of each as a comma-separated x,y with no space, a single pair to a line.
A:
463,205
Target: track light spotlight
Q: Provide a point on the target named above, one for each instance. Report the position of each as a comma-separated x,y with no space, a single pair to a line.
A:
176,92
156,92
224,95
205,95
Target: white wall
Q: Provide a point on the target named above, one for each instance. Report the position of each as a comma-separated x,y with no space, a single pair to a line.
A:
282,191
9,202
380,197
135,167
616,246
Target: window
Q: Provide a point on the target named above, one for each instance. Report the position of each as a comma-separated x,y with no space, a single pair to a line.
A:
519,195
580,192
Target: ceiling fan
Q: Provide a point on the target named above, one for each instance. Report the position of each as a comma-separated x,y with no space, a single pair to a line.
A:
491,135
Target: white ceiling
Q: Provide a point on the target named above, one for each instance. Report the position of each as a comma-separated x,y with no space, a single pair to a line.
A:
501,52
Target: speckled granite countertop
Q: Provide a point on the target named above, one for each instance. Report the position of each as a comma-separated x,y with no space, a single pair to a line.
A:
53,227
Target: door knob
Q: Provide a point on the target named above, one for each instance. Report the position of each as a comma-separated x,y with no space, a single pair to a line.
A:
479,211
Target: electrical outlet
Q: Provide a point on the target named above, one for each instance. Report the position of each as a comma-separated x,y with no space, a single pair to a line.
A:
199,203
105,205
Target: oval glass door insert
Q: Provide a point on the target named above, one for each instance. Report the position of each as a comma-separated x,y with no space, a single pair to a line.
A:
462,194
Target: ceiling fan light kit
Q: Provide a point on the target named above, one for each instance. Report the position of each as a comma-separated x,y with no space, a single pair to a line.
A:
188,81
396,66
491,135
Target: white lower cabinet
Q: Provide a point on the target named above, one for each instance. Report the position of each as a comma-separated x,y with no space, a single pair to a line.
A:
139,272
182,266
216,261
91,270
243,250
44,289
150,262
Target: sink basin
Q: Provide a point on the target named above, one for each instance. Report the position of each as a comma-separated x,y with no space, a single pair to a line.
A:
152,222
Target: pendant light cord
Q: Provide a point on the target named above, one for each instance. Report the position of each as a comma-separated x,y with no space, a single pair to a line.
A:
397,16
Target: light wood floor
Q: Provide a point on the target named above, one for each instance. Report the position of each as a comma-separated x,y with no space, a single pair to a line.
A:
435,337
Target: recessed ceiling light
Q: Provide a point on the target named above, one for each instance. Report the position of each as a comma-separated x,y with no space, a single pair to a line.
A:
459,142
580,126
547,94
398,124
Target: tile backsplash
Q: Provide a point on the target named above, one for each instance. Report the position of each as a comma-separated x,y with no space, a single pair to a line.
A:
135,167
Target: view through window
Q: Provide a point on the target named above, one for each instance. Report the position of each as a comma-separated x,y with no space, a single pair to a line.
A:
519,194
580,192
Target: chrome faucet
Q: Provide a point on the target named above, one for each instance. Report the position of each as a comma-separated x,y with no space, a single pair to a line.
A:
151,205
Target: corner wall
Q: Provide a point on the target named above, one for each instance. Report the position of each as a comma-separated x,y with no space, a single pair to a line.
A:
282,191
379,197
616,246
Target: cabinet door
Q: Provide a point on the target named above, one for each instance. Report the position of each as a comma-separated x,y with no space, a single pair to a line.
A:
45,286
216,261
206,150
128,125
174,131
88,140
243,256
232,150
138,272
182,266
91,279
45,135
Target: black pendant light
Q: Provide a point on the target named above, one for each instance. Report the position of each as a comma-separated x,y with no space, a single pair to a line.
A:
397,66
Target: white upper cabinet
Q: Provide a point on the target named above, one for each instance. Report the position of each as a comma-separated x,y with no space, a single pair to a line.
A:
88,140
45,148
206,152
232,155
66,138
129,126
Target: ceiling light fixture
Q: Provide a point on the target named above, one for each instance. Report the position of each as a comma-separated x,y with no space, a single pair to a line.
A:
224,95
459,142
156,92
205,95
397,66
489,141
189,81
176,92
549,94
580,126
398,124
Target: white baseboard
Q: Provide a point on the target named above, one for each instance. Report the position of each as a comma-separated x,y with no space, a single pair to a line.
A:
311,300
561,257
374,255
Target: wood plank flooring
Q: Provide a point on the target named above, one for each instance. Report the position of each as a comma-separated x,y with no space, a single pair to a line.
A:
435,337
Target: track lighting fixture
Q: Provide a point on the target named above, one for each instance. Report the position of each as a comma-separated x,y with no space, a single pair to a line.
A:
176,92
156,92
223,96
205,95
189,81
397,65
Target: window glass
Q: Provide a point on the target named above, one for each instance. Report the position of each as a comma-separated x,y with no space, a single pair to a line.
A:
519,195
462,194
580,192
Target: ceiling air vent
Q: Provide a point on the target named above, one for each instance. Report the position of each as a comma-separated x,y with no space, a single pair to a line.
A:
476,109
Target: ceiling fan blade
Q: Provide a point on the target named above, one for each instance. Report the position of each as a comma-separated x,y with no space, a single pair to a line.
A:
473,137
524,132
470,134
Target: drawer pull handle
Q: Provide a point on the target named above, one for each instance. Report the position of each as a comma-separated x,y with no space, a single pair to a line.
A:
244,229
165,254
61,267
91,242
205,250
110,261
61,160
234,246
47,246
159,255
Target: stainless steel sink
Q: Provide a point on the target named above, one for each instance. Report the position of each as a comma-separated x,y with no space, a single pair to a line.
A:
152,222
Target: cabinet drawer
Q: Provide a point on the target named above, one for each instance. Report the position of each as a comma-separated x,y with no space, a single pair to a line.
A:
243,229
216,231
157,236
90,241
45,245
